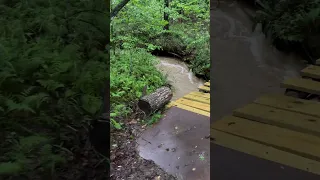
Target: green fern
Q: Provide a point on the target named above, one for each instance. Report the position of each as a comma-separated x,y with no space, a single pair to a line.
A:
14,106
50,85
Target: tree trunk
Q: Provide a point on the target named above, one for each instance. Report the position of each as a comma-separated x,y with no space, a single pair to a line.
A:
153,102
166,15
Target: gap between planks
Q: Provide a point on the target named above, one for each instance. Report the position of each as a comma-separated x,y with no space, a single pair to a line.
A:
311,71
264,152
291,104
294,142
188,108
281,118
197,98
303,85
194,104
205,89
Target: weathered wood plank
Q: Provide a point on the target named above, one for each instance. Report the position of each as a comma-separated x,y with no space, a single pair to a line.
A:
264,152
207,84
311,72
188,108
196,93
291,104
197,98
204,88
304,85
281,118
194,104
298,143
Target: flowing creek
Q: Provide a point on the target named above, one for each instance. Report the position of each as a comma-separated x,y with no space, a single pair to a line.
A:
183,81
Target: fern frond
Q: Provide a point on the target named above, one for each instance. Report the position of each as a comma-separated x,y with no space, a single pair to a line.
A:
13,106
50,85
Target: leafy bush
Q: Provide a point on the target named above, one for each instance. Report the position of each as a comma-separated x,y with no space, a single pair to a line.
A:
52,70
291,20
140,25
131,71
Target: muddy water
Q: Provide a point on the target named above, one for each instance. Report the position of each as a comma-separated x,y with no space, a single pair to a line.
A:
180,77
244,63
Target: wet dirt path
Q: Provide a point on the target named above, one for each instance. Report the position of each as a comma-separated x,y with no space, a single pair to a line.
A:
244,63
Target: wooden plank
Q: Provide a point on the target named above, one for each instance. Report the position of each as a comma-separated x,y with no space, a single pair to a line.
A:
197,98
281,118
194,104
294,142
205,95
312,72
204,88
188,108
304,85
207,84
264,152
291,104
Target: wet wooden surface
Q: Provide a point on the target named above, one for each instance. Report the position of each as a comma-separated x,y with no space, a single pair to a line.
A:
277,128
302,84
197,102
311,72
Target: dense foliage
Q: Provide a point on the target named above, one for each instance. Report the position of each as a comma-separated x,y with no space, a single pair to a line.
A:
292,22
53,67
138,31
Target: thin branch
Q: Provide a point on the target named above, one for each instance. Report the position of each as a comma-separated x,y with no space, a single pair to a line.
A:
117,9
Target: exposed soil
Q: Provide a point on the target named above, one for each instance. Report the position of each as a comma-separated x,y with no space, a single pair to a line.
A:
125,160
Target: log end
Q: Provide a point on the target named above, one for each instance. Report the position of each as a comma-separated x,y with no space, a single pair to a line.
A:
145,106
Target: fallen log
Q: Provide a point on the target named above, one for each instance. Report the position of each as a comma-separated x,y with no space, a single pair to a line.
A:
154,101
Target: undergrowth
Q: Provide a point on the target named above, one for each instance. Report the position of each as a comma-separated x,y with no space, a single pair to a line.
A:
131,71
292,22
53,67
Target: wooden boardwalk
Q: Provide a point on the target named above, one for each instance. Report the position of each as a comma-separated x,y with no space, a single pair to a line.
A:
278,128
197,102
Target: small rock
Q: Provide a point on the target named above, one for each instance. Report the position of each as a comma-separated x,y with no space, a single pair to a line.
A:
193,169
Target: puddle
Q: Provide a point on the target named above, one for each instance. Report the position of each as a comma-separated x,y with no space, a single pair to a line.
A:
179,144
183,81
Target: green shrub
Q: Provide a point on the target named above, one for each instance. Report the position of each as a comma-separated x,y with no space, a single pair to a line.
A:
52,70
131,70
289,20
